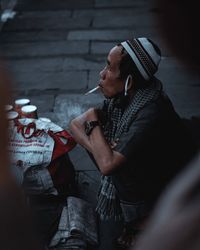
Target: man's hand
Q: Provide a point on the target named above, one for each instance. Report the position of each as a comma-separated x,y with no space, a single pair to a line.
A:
106,158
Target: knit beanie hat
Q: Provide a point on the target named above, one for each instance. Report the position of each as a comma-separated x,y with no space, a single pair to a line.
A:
145,54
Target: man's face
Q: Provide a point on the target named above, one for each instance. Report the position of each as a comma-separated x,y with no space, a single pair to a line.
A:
110,83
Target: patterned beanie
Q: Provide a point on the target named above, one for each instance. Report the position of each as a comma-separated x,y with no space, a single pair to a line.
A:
145,54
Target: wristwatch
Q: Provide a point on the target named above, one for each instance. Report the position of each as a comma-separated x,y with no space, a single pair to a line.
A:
90,125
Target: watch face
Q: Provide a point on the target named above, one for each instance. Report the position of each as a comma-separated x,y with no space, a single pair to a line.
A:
89,125
87,128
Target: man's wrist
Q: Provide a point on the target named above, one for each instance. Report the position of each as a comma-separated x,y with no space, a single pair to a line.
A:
90,125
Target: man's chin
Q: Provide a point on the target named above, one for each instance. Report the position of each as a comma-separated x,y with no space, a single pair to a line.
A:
107,96
104,94
113,96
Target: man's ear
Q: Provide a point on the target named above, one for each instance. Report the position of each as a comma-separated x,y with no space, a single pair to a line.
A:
128,84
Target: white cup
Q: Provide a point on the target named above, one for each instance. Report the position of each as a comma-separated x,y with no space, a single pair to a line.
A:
8,107
19,103
44,119
12,115
29,111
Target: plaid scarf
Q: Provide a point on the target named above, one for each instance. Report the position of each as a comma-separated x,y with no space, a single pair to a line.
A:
119,116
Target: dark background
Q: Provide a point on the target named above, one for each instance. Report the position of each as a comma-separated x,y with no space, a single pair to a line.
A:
54,50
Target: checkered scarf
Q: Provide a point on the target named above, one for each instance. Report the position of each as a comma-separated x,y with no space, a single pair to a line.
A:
119,116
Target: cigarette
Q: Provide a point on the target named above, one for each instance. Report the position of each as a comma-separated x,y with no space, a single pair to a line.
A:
92,90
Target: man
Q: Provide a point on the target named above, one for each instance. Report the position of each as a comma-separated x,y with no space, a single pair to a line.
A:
134,137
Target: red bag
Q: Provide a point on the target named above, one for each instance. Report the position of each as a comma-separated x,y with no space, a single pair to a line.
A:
39,149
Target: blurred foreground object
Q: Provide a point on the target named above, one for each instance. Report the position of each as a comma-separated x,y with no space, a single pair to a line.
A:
15,228
179,26
175,224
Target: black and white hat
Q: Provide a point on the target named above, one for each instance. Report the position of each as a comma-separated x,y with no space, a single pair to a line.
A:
145,54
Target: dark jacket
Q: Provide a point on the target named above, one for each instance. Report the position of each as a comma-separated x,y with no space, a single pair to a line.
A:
157,146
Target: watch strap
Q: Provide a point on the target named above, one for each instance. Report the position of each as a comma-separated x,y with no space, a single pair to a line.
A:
90,125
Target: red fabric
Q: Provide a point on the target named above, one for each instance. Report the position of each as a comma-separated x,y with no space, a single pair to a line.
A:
62,173
60,148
